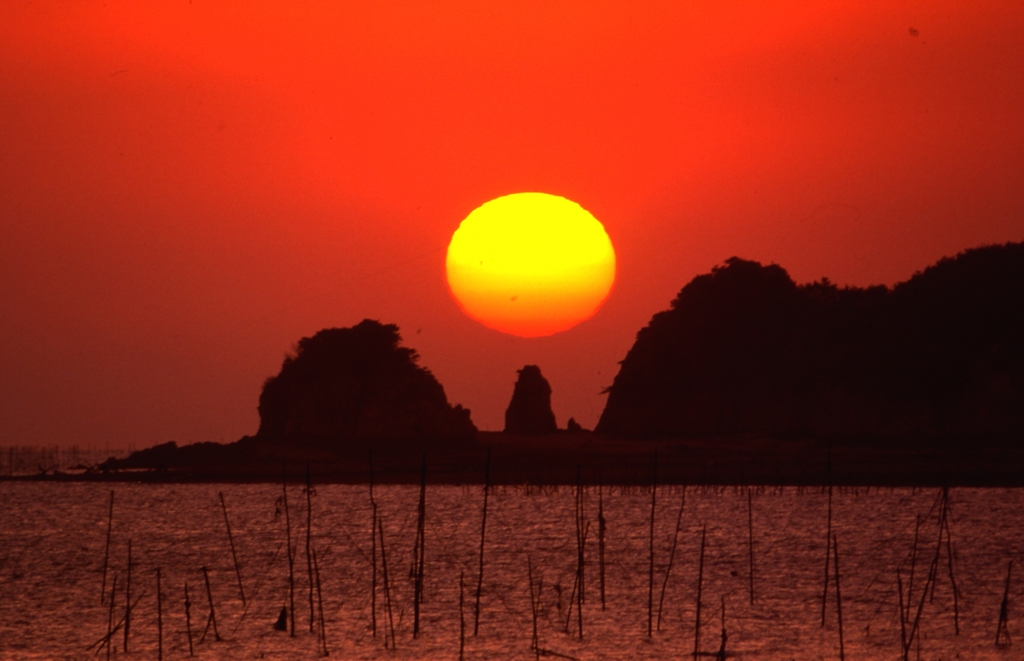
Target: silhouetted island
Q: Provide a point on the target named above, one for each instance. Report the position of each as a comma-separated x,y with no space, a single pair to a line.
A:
746,351
748,378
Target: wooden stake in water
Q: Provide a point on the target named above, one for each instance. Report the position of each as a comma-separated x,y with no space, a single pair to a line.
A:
828,544
1003,630
700,592
839,598
291,551
535,641
650,568
128,599
949,566
320,601
462,617
309,533
106,551
750,543
721,649
188,620
110,617
903,620
483,531
418,549
601,527
212,619
913,564
387,587
671,557
231,541
373,555
159,619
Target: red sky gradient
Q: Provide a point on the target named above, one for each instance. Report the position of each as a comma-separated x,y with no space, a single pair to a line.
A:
186,189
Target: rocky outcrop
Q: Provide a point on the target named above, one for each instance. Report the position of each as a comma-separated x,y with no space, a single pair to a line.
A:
744,350
353,387
529,412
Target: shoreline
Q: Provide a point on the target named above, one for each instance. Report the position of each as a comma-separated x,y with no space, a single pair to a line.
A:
566,458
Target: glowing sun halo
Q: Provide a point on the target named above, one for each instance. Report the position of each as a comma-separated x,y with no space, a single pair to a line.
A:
530,264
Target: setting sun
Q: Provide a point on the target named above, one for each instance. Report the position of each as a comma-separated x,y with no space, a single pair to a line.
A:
530,264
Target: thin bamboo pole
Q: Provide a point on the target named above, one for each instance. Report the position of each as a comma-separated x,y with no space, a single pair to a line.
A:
483,530
128,599
106,551
913,564
1003,629
231,541
309,534
373,555
650,544
212,619
291,551
828,544
700,592
110,617
750,543
903,621
671,557
387,587
601,528
462,617
419,549
535,640
320,601
839,598
952,576
159,619
188,620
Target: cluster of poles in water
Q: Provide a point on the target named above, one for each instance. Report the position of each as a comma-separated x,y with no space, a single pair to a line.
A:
911,600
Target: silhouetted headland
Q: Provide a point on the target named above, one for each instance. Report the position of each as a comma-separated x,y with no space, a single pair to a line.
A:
748,378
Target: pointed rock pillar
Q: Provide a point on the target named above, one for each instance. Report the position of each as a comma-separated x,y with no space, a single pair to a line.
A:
529,412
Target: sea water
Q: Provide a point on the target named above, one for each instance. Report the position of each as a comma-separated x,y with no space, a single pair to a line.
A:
764,562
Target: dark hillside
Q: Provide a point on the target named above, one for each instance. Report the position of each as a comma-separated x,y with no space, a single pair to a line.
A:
744,350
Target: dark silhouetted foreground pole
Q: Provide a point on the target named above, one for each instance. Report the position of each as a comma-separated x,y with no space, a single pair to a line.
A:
601,527
903,619
828,543
110,617
721,650
291,551
750,543
106,551
535,641
483,532
373,555
387,587
231,541
671,557
419,551
212,619
462,617
309,535
650,568
320,601
839,598
128,598
159,619
188,620
700,593
913,564
1003,630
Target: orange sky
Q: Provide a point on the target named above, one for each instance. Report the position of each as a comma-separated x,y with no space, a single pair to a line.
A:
188,189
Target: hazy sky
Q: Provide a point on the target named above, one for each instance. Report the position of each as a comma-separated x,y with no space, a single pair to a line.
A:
186,189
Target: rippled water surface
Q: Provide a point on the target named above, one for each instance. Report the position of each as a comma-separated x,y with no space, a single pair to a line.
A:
53,536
